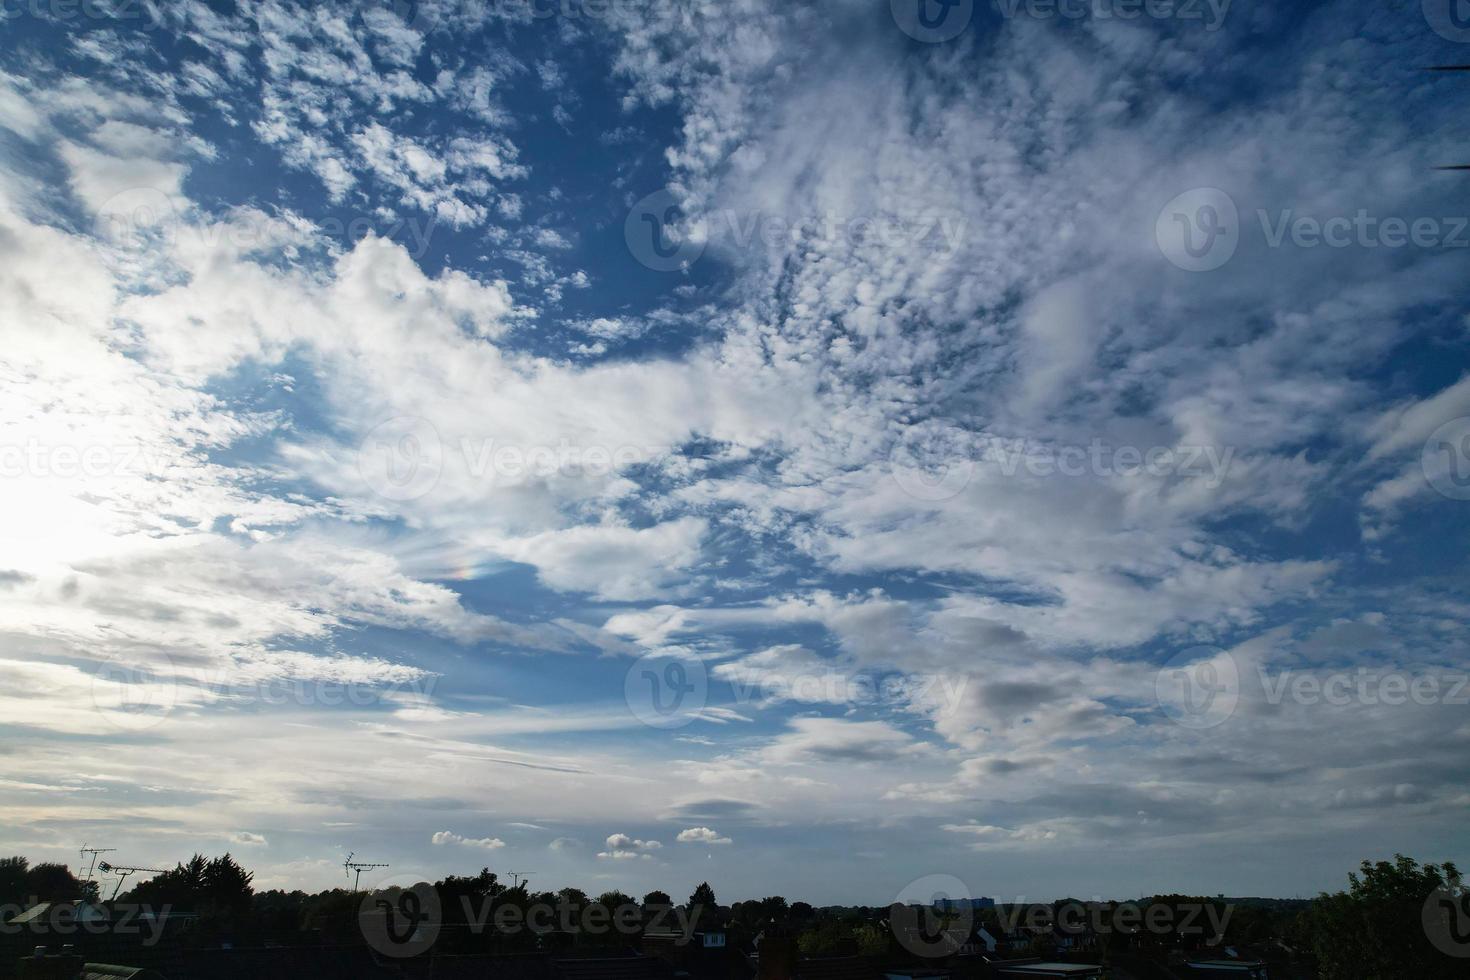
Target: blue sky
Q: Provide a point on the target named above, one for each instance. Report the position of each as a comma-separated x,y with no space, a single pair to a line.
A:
803,447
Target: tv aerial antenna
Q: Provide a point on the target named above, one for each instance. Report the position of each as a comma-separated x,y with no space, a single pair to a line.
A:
94,851
349,866
517,877
122,872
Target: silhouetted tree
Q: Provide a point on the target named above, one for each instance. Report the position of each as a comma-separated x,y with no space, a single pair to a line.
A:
13,872
49,882
702,903
463,896
608,928
615,898
1375,929
227,884
747,915
217,887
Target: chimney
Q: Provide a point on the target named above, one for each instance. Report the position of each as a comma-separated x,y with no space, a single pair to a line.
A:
777,959
41,966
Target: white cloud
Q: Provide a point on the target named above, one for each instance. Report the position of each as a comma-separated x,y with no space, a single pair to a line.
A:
449,837
816,741
621,847
615,562
701,835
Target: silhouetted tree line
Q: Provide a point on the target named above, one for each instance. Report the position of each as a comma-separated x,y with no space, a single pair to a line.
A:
1372,931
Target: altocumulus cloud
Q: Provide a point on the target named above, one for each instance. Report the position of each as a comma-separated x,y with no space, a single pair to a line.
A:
253,439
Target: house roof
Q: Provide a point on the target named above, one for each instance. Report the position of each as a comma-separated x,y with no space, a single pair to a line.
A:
471,966
33,914
1241,965
613,968
254,962
41,911
109,971
837,968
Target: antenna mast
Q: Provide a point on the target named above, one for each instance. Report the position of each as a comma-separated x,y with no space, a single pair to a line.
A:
94,851
122,873
349,866
518,876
